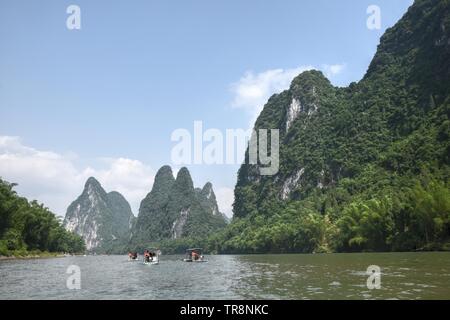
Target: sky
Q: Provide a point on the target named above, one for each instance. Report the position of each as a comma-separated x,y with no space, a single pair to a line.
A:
105,99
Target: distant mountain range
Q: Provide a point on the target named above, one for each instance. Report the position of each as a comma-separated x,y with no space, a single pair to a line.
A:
173,209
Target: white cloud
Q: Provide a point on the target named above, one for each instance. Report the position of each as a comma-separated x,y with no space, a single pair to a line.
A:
225,199
331,70
252,90
131,178
18,161
55,180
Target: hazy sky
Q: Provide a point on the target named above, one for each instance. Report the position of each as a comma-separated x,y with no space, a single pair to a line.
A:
104,100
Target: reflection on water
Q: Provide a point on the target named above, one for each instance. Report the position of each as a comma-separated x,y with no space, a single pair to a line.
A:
334,276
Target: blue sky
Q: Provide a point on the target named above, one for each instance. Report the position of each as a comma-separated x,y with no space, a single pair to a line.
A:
105,99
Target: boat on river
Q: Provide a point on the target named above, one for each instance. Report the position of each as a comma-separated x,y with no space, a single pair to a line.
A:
132,257
153,258
194,255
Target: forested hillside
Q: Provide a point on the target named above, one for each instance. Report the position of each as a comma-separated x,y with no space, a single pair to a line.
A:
362,168
175,215
29,227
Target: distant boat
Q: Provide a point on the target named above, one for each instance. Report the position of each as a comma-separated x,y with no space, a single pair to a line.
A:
194,255
132,256
154,258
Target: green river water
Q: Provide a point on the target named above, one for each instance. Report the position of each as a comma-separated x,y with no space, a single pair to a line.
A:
315,276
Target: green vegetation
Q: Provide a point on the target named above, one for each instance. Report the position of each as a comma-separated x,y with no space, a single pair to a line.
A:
28,228
397,219
175,215
362,168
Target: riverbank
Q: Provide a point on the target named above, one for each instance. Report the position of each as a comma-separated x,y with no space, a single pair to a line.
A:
33,255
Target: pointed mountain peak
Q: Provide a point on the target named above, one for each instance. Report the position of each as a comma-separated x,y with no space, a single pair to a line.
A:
164,173
208,191
310,83
163,179
208,186
92,185
93,188
184,179
92,182
165,170
310,75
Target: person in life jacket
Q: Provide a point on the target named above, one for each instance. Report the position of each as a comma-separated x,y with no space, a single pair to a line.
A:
195,256
147,256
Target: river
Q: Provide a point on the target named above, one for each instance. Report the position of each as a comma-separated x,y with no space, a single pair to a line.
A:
319,276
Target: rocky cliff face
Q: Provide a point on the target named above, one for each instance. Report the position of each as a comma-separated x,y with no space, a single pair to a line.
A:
102,219
175,209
